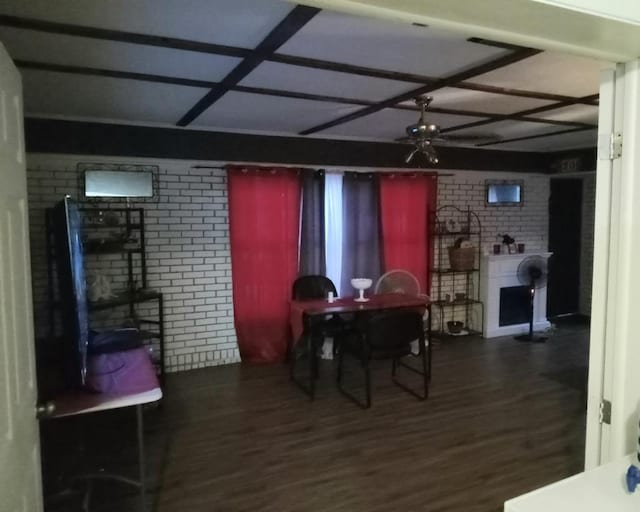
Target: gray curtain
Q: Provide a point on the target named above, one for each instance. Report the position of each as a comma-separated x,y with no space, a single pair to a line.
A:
361,229
312,252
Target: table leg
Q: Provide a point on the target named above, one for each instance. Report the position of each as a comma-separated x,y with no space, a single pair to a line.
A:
141,460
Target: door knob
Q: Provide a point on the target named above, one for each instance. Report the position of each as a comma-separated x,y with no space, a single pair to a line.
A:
45,410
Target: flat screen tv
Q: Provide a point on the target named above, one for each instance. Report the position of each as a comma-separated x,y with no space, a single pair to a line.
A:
72,292
103,183
504,193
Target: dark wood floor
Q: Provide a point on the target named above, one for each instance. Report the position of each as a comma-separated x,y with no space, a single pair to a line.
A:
503,418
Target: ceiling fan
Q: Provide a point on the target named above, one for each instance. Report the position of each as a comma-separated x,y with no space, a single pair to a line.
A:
422,134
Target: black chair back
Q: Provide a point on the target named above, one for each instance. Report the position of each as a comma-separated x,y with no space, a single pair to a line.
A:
393,331
312,287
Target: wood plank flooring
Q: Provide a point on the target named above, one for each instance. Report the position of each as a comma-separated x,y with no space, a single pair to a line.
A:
503,418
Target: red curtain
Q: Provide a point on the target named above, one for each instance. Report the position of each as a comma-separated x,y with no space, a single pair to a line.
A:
407,203
264,216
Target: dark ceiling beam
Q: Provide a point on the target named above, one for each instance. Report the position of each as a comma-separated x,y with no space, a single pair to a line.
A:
538,136
444,82
351,69
111,73
495,44
299,16
523,116
188,82
231,51
472,86
123,37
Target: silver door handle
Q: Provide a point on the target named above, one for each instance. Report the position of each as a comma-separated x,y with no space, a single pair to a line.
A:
45,410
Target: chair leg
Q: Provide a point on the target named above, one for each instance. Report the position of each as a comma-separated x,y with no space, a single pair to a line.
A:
367,381
430,341
342,390
292,362
426,372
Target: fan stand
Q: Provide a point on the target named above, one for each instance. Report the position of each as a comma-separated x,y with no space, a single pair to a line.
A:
530,337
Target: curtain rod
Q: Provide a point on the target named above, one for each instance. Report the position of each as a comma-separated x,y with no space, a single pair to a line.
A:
218,167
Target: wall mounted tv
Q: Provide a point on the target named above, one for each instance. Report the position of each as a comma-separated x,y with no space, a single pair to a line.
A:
504,193
108,183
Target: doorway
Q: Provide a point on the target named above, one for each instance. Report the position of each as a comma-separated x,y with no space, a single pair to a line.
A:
565,230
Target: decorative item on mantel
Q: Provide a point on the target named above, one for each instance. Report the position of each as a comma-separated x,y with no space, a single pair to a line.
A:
509,242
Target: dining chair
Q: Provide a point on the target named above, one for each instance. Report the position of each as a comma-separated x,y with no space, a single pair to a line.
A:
387,335
332,326
402,281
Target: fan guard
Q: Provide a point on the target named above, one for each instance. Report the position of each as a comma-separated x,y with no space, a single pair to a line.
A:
533,271
398,281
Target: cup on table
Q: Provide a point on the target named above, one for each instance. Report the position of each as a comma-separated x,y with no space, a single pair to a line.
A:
330,297
496,248
520,248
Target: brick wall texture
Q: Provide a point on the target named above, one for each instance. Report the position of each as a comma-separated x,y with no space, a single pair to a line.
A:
188,255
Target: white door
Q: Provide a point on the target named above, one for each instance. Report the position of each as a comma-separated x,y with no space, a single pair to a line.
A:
20,485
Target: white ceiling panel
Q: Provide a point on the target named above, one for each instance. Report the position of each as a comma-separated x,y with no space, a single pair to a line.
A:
109,98
575,140
80,51
548,72
259,113
329,83
574,113
477,101
386,45
241,23
510,129
389,124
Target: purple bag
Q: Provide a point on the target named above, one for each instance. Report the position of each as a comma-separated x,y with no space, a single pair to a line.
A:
124,372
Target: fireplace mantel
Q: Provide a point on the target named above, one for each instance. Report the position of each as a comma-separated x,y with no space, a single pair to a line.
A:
500,271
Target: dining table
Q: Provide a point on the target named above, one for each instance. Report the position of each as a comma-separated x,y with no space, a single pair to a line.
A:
307,315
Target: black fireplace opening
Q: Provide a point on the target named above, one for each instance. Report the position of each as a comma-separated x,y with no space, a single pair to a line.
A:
514,305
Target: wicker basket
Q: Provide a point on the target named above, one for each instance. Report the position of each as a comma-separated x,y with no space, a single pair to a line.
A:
462,258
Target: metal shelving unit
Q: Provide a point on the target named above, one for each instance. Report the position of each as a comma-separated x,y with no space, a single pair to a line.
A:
451,223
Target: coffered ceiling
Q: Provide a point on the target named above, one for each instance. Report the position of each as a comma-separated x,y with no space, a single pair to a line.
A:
269,66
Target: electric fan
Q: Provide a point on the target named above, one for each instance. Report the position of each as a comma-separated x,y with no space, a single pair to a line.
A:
532,272
398,281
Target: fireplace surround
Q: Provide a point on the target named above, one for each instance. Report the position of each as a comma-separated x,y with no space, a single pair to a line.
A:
499,271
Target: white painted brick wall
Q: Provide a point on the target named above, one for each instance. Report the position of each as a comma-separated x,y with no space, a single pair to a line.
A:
188,257
187,234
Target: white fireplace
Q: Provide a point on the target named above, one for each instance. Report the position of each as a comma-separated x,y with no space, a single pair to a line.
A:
499,287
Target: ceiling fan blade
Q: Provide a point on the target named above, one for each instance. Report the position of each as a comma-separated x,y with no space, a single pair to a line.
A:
472,138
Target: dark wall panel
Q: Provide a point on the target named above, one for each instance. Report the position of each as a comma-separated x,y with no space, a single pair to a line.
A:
89,138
